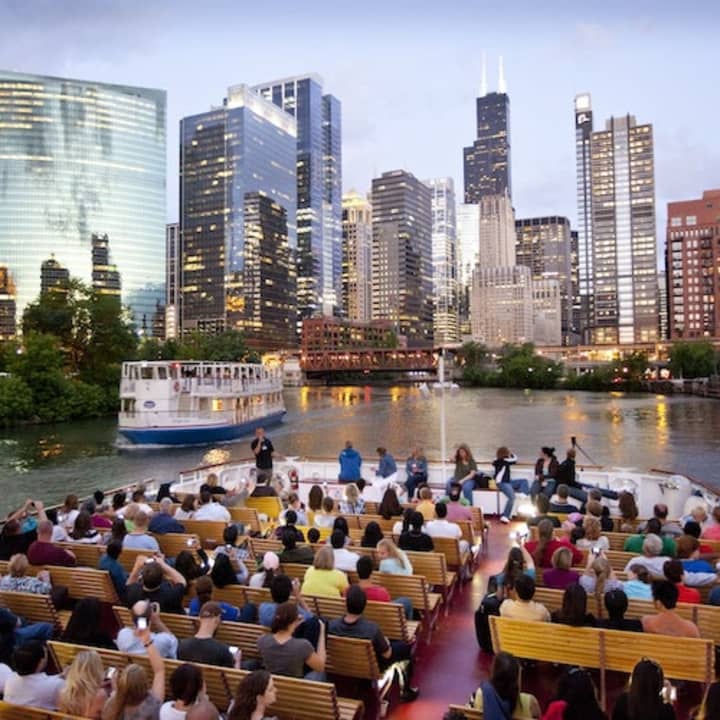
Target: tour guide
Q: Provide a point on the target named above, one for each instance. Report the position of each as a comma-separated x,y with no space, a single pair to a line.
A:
263,449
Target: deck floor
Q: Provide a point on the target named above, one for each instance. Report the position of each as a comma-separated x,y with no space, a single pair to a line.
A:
452,666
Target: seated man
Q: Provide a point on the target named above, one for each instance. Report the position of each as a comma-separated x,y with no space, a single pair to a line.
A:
354,625
458,507
542,505
426,506
667,621
521,605
208,509
675,573
30,685
652,557
660,512
43,552
263,488
202,647
159,583
127,640
139,538
292,552
163,520
616,604
415,539
119,576
652,527
295,505
374,592
20,529
290,520
345,560
560,502
441,527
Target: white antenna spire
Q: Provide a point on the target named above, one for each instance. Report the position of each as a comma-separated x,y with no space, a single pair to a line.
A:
502,85
483,76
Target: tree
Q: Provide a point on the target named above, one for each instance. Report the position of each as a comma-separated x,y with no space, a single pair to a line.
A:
520,367
693,359
16,400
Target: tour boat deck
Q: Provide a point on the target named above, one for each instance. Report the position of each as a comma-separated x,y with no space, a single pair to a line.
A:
449,669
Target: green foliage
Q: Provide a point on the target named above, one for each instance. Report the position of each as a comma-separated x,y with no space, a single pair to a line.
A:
474,357
595,380
693,359
228,346
520,367
16,401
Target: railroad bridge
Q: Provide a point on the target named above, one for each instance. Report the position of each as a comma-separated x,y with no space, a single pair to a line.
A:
369,360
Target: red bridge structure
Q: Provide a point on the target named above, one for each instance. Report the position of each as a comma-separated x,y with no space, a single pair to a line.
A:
369,360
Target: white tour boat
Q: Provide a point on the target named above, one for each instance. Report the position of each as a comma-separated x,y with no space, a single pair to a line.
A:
190,403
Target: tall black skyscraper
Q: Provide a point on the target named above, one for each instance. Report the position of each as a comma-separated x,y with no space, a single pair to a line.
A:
487,160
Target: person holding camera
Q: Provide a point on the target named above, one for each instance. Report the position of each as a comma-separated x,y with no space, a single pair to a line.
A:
159,583
146,616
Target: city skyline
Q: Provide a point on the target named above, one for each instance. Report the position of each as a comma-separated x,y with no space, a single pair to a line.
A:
549,58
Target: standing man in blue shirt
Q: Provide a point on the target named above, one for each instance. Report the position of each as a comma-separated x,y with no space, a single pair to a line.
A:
350,463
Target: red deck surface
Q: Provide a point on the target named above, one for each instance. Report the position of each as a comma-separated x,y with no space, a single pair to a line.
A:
452,666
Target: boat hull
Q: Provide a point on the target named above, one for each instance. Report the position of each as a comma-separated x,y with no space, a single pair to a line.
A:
196,434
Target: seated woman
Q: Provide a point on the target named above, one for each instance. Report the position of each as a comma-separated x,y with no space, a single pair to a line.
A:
341,525
638,585
574,608
255,693
18,580
186,688
499,697
85,626
372,535
426,505
292,552
519,562
264,576
352,504
186,511
593,538
645,698
322,578
616,604
84,694
543,548
628,509
392,559
560,575
403,525
326,517
576,698
390,506
599,577
187,565
203,593
83,530
284,654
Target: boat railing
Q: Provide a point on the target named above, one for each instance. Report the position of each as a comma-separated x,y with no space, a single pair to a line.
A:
209,386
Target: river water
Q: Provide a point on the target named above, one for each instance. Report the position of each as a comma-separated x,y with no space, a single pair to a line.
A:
644,431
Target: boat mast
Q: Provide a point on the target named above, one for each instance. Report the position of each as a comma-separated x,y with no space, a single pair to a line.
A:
443,430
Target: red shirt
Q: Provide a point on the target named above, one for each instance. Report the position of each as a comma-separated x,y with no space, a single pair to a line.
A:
376,593
688,595
45,553
550,548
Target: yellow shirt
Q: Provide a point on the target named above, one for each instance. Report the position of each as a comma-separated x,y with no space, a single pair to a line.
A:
427,509
520,610
326,583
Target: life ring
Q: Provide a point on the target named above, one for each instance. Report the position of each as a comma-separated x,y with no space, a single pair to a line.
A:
176,386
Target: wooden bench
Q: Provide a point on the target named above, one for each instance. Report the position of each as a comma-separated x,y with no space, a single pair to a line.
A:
248,516
206,530
688,659
83,582
86,555
468,712
172,544
23,712
385,525
433,566
31,606
389,616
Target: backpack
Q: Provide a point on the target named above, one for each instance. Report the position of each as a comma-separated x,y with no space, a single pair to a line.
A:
489,605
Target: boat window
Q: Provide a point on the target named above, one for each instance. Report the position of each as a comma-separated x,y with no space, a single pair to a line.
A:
146,373
162,373
218,405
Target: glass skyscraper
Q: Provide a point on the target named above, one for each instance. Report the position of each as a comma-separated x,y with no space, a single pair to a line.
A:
79,158
231,158
319,190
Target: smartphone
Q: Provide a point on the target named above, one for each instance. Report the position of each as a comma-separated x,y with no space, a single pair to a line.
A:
110,672
190,542
149,560
228,548
234,650
596,550
142,623
155,607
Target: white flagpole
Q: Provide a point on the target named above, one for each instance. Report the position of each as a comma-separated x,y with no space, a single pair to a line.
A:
443,438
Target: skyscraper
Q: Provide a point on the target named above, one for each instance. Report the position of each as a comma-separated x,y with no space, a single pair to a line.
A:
8,326
54,277
105,275
497,231
319,189
692,261
357,258
77,158
227,156
444,261
583,160
173,280
402,255
468,248
544,246
487,160
624,273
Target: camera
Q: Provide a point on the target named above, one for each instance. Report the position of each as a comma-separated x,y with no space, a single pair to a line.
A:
142,623
596,550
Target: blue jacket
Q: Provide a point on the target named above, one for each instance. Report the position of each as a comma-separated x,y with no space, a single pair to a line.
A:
350,462
387,466
420,463
162,523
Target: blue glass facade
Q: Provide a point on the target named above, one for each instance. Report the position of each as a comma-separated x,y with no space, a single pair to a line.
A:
319,190
229,158
79,158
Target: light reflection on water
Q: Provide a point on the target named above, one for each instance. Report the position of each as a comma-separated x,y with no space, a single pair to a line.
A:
680,433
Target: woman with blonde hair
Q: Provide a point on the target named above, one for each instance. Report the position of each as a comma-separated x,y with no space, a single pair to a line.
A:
353,504
561,574
322,578
593,538
17,578
392,559
134,698
599,578
83,693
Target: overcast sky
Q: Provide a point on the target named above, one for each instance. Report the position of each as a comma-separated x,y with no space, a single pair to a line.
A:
407,74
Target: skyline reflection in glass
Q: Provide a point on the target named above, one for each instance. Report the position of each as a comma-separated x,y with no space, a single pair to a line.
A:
79,158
